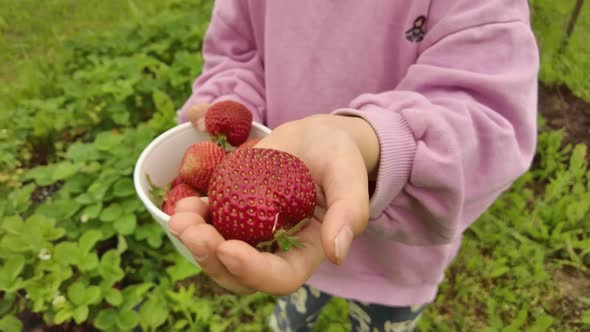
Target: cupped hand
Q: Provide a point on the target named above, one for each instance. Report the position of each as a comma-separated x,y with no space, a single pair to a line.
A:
341,153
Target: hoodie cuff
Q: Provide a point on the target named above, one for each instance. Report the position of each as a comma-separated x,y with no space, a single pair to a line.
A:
397,149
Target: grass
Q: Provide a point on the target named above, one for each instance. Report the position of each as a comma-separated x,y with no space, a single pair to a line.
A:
32,32
524,265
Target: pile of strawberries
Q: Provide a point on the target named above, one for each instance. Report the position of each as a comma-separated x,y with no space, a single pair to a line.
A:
260,196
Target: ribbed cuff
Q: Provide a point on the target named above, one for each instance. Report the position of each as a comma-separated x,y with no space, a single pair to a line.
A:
397,150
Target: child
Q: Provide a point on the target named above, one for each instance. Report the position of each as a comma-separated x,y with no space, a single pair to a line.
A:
432,102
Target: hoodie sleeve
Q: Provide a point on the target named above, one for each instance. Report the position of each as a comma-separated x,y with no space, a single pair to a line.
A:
458,130
232,66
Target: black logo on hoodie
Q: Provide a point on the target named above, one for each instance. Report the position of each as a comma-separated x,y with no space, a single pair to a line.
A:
416,33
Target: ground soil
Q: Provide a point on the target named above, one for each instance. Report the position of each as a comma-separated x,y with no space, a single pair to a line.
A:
562,109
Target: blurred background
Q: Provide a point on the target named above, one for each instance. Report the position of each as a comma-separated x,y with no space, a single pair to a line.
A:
86,85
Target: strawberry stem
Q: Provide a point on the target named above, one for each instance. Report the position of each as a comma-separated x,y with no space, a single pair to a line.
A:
285,238
156,192
221,140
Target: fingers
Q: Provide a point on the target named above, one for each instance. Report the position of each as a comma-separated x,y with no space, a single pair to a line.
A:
196,115
347,203
202,241
192,204
280,273
179,222
189,211
188,224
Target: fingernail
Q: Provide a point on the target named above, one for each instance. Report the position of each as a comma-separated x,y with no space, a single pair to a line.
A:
342,243
200,251
231,263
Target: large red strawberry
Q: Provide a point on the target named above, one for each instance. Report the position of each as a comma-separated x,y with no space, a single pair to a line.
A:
175,194
198,163
228,120
256,195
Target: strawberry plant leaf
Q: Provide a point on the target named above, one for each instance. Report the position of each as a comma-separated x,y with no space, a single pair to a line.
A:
79,152
106,319
42,175
99,188
92,295
85,199
88,262
89,239
127,320
121,244
64,170
19,200
9,273
7,302
153,313
107,141
77,184
80,314
10,323
109,267
113,296
63,315
91,212
12,225
111,213
134,294
76,293
66,253
59,209
126,224
123,188
150,232
15,243
180,325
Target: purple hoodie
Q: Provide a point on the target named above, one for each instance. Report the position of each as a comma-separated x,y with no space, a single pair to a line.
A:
450,87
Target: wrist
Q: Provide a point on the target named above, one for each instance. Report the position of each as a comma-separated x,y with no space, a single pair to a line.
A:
366,141
361,133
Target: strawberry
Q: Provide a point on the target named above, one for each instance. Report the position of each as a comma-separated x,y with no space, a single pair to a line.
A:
228,121
175,182
261,195
249,143
198,163
175,194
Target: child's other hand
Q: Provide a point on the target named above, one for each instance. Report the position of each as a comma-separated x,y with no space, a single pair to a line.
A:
340,152
196,115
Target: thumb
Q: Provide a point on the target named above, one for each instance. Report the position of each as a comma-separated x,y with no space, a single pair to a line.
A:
196,115
345,186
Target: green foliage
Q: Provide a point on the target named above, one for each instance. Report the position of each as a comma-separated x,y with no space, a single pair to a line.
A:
570,66
504,277
109,81
78,247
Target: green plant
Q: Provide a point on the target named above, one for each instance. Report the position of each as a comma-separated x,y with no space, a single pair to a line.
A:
78,248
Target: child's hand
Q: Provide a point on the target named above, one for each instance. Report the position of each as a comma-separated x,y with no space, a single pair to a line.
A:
196,115
340,152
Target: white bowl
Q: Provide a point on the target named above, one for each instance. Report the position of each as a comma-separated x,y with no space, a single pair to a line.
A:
161,159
